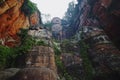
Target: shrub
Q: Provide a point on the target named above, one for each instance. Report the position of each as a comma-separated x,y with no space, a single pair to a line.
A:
26,41
41,43
56,50
28,7
8,55
86,62
61,69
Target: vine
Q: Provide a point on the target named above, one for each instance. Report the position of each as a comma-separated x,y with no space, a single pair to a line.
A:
86,62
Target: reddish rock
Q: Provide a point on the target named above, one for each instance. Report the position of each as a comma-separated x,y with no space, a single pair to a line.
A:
41,56
40,65
11,20
106,3
103,54
35,74
109,16
34,18
104,13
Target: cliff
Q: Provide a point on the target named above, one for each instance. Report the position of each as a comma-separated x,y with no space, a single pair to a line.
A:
108,13
39,61
40,65
12,18
99,21
104,13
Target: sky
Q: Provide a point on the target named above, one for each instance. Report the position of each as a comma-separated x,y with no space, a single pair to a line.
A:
55,8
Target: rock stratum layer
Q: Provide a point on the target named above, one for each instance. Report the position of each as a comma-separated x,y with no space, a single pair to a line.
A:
40,65
99,22
104,13
11,20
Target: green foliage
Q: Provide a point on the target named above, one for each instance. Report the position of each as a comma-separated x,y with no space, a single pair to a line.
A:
67,46
48,25
8,55
28,7
69,15
56,50
69,19
61,69
41,43
86,62
26,41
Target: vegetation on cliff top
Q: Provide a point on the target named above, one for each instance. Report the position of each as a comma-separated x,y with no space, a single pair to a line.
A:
28,7
8,55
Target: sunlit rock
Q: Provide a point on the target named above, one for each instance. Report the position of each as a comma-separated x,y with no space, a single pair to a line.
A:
11,20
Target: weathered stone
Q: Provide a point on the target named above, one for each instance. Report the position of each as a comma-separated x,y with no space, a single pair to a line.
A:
40,65
104,13
73,65
7,73
41,56
71,59
57,28
109,16
11,20
35,74
104,55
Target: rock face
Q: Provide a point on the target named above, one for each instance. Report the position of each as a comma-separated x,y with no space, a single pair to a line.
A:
41,35
40,65
104,13
41,56
57,28
4,75
73,65
35,74
108,12
11,20
104,56
97,18
69,59
35,19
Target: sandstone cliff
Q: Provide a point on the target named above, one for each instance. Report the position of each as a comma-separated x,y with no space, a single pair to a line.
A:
12,18
99,21
40,65
104,13
108,13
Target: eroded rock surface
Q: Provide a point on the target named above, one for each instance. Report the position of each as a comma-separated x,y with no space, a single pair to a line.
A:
4,75
40,65
11,20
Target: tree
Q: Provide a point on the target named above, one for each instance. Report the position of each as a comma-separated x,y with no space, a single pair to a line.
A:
28,7
70,12
48,25
69,18
46,18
